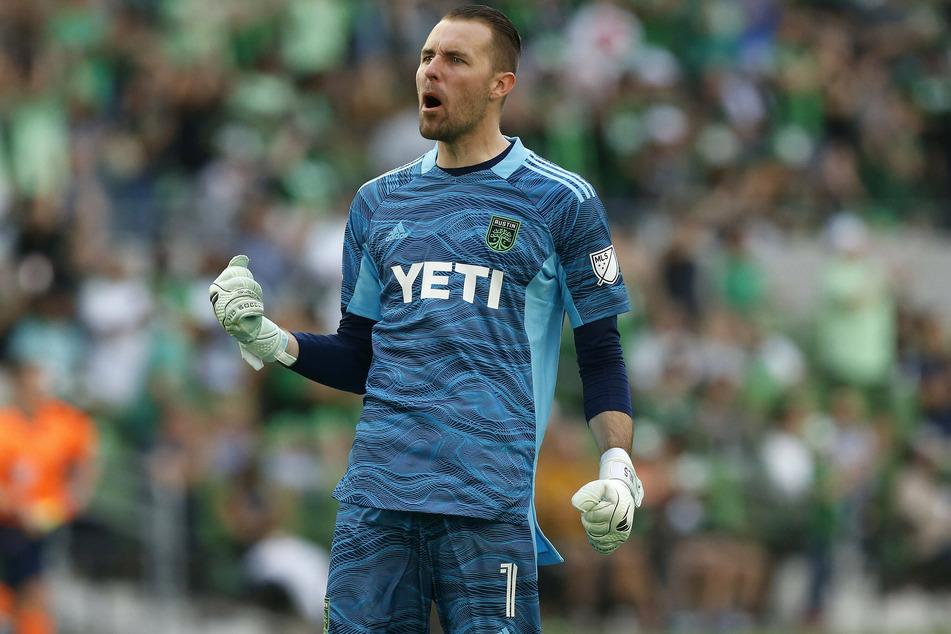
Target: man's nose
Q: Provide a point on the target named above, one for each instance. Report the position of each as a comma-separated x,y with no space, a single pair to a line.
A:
431,70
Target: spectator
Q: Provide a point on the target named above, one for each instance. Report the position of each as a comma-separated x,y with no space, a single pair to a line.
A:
922,497
741,278
681,271
115,308
856,336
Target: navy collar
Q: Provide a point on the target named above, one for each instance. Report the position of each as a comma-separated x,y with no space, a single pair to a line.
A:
468,169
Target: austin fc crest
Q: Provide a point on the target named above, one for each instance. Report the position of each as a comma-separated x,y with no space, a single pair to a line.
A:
604,263
502,233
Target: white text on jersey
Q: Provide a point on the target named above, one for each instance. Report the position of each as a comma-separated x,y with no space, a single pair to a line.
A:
434,285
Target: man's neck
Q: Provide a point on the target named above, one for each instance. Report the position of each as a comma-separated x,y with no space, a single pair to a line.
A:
29,407
470,151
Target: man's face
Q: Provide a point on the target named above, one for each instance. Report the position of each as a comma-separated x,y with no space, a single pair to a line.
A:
454,79
32,383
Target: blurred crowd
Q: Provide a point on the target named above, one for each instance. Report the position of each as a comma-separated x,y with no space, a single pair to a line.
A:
144,142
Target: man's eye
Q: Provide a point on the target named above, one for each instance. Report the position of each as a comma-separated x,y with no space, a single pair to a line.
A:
457,60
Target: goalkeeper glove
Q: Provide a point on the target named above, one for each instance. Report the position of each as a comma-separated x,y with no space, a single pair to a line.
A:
236,299
607,504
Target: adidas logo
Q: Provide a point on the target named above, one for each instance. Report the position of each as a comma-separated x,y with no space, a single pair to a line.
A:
398,232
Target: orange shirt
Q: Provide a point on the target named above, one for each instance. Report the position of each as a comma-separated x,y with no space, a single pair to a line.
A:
38,456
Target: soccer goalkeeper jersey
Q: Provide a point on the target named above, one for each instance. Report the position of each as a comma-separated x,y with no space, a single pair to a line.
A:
468,278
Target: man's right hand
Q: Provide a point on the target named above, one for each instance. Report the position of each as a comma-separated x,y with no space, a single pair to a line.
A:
237,302
236,299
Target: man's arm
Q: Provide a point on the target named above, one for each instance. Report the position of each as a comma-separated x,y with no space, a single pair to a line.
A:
293,347
607,504
83,480
341,360
86,469
612,429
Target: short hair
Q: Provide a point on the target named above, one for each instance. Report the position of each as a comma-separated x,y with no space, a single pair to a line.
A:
505,37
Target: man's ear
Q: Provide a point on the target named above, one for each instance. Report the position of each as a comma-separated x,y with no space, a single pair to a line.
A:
503,84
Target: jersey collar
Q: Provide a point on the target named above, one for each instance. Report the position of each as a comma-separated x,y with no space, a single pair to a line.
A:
503,168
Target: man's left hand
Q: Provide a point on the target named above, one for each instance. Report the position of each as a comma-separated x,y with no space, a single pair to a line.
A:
607,504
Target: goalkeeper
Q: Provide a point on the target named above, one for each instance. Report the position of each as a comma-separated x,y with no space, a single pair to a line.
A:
458,271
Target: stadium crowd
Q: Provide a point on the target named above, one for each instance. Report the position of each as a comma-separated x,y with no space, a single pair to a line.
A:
144,142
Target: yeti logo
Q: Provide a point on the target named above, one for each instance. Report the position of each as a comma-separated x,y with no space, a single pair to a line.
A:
502,233
604,263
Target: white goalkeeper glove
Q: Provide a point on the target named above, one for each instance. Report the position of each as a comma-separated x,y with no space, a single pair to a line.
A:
236,299
607,504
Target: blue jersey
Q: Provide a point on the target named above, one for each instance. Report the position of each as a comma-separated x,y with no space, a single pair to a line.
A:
469,278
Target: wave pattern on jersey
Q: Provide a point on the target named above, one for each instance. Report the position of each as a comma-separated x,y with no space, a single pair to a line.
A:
576,235
449,421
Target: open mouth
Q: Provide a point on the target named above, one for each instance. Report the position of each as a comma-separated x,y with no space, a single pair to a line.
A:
431,102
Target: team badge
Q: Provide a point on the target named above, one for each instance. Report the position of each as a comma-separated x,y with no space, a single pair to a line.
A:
604,263
502,233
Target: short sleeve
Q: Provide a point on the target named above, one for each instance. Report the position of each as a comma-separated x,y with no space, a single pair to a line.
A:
589,263
361,287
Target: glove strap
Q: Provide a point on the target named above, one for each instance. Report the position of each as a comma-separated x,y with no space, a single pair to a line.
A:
270,345
616,464
285,358
280,354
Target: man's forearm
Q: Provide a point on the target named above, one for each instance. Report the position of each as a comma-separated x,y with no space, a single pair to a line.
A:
612,429
607,504
293,348
83,485
341,360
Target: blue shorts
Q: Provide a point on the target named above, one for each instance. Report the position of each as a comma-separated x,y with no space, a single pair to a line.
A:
21,556
388,567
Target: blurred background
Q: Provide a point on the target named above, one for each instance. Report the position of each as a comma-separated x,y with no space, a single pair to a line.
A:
777,176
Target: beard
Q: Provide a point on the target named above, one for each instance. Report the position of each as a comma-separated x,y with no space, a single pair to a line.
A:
448,127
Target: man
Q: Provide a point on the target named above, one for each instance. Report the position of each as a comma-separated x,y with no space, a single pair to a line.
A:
458,270
48,471
856,317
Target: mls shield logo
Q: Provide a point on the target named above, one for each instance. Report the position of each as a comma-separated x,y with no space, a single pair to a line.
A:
502,233
604,263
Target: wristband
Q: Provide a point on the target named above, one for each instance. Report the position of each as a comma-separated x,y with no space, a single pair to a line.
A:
616,464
